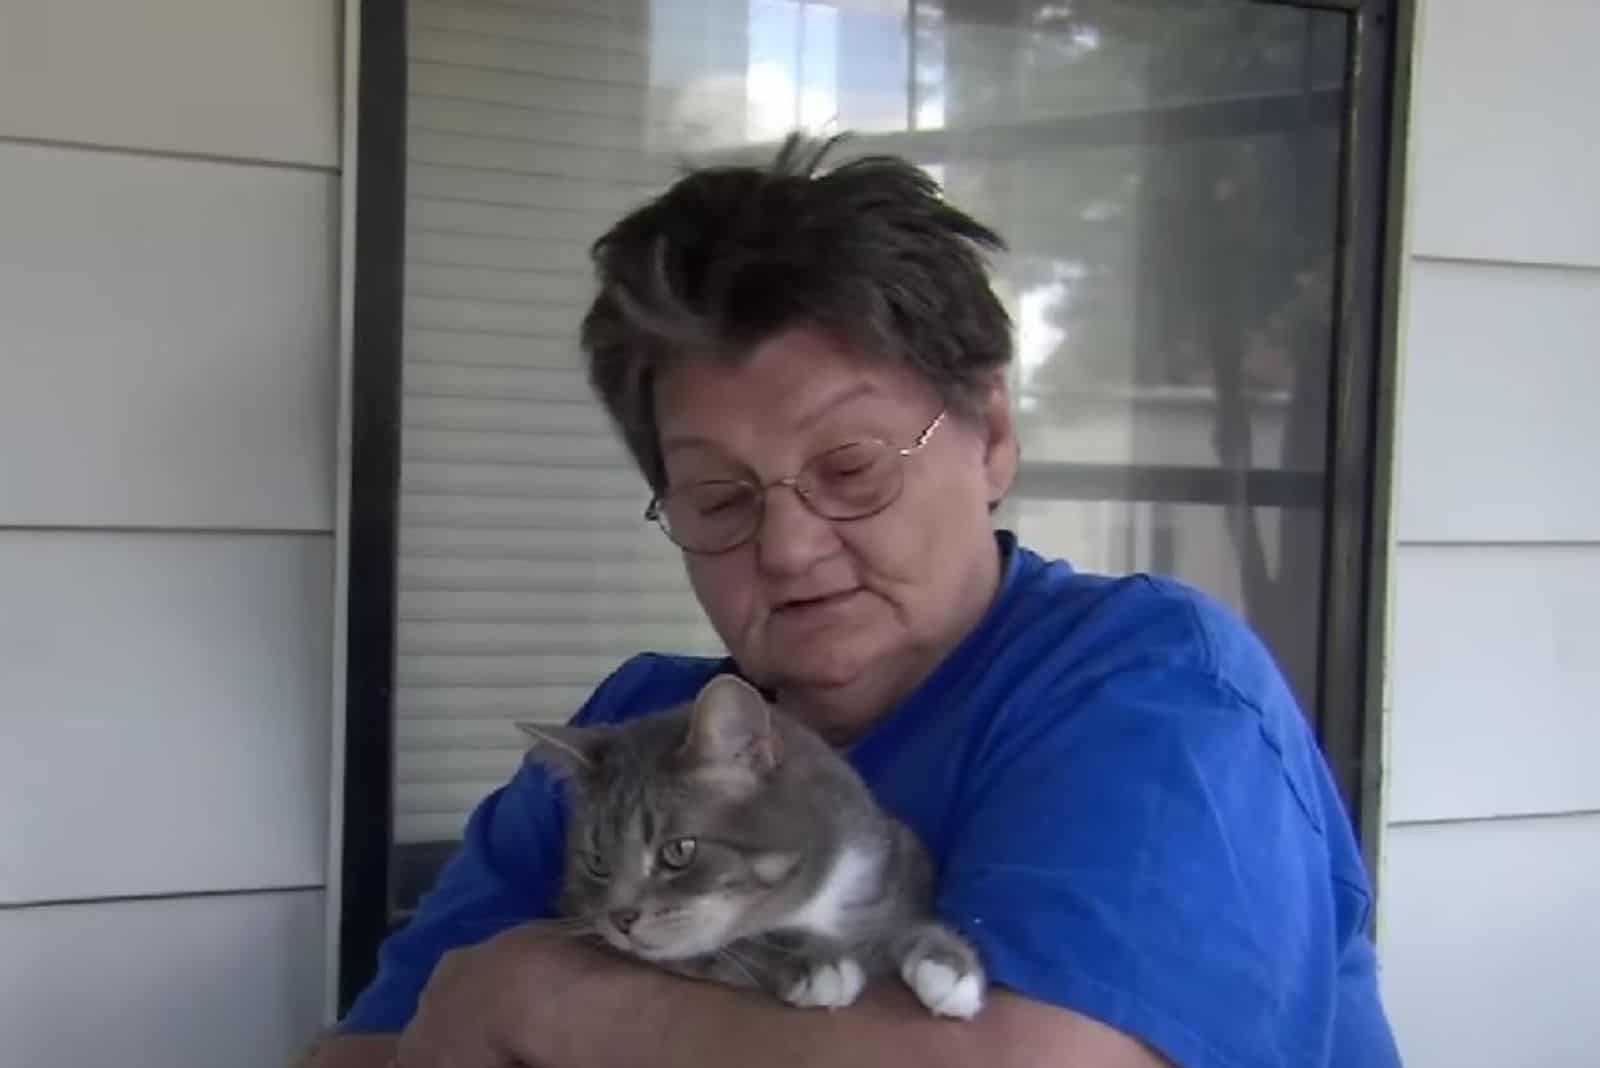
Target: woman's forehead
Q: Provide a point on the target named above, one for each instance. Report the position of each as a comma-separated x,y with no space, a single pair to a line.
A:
793,383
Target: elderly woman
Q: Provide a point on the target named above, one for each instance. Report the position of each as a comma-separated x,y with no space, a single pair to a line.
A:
1128,815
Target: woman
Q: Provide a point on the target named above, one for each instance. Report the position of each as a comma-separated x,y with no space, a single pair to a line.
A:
1128,814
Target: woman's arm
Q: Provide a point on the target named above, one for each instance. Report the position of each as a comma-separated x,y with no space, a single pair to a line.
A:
531,998
351,1051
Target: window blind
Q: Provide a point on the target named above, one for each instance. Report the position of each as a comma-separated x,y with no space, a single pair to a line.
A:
526,572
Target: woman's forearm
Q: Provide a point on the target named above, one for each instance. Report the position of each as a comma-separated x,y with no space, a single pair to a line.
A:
351,1051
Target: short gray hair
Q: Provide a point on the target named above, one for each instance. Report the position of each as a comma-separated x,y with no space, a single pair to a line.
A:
730,256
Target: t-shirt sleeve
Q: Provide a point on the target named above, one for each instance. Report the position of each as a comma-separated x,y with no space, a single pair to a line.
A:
1138,852
506,872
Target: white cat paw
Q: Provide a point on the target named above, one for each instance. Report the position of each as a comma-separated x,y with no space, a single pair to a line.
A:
828,985
945,991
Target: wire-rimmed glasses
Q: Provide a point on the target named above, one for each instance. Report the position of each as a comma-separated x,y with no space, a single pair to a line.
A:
851,481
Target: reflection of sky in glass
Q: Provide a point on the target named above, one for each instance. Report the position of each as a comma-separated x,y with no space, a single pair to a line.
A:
791,77
741,71
749,71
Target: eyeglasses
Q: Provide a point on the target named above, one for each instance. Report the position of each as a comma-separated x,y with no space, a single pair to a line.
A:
851,481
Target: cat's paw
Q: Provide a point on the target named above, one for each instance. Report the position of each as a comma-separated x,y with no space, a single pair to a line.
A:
944,990
945,974
831,984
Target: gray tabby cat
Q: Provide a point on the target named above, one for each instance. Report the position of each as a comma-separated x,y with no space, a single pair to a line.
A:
726,841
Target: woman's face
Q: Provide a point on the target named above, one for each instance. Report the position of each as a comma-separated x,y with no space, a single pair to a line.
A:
810,604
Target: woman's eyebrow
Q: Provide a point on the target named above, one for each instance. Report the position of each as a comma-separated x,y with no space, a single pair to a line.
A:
837,400
812,416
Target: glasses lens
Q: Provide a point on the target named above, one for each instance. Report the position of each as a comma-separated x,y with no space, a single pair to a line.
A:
853,480
709,516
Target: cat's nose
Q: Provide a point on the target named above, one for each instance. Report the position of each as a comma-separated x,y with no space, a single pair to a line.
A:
624,919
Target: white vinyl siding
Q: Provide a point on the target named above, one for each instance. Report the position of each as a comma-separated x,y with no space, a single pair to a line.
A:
236,79
166,327
167,726
1488,933
1503,132
168,242
1494,941
234,979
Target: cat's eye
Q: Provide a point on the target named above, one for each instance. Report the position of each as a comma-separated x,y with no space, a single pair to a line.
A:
678,853
595,865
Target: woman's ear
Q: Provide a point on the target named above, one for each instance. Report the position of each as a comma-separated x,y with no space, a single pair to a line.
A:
1002,449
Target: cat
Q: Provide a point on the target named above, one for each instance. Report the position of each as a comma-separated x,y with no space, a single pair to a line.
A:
726,841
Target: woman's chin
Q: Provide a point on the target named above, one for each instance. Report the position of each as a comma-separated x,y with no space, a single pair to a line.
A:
825,662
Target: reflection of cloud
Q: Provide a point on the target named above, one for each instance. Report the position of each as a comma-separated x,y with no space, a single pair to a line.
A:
1037,336
774,105
706,112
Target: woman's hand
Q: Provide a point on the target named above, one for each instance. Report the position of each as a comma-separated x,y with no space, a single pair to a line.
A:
502,1002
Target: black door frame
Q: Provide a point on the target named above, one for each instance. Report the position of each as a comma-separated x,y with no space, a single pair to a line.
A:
1356,485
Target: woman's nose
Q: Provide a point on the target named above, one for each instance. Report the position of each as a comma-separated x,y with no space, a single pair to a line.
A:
791,536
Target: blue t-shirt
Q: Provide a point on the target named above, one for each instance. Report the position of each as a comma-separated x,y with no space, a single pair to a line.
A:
1126,809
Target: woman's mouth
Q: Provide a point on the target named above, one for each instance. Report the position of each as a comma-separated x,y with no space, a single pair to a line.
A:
808,605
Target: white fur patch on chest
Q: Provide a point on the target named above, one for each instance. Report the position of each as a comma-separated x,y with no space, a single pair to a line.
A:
852,880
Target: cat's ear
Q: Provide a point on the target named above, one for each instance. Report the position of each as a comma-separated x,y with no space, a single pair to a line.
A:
731,730
569,752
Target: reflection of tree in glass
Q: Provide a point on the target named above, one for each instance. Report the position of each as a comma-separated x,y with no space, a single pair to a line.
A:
1176,192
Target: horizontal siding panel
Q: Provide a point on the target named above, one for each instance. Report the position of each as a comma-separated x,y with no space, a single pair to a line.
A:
621,543
568,385
515,318
213,77
1496,681
559,450
464,704
614,640
421,671
529,55
515,606
549,576
183,680
169,337
524,89
504,415
605,201
447,802
627,12
421,739
485,119
468,348
1502,383
521,285
563,258
524,481
1504,154
574,518
234,980
627,168
1490,942
429,219
446,826
493,764
603,26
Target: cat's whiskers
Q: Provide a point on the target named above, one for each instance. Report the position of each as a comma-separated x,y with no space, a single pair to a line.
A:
767,942
744,964
570,926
